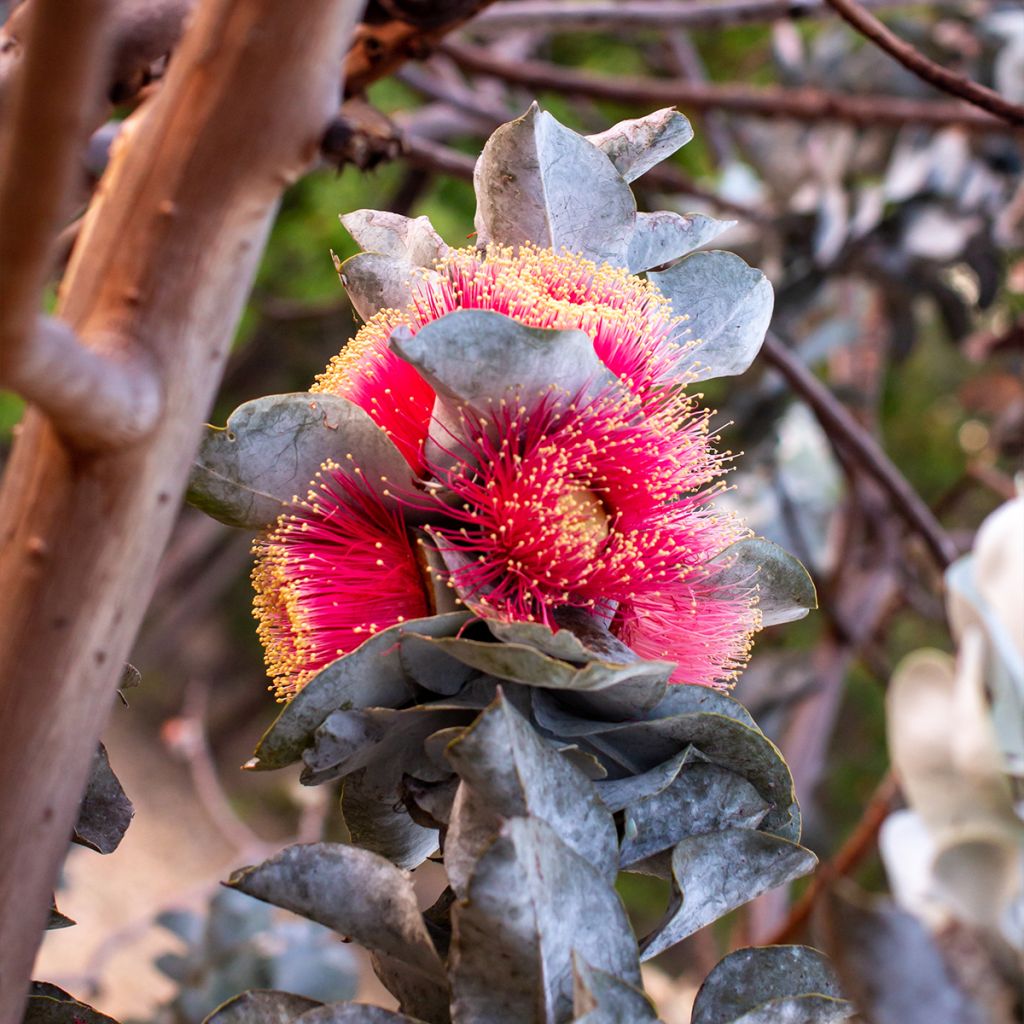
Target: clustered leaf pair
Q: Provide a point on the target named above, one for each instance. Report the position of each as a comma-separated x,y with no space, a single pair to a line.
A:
508,552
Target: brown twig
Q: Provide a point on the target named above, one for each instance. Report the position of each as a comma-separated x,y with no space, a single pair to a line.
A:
839,423
850,854
804,104
913,60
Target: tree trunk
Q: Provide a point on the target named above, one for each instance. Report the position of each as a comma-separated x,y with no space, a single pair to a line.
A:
165,262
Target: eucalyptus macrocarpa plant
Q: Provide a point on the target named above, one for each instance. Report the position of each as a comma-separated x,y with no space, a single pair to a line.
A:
502,610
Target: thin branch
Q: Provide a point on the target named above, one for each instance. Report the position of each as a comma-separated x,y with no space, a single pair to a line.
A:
805,104
850,854
40,146
838,423
640,15
913,60
379,49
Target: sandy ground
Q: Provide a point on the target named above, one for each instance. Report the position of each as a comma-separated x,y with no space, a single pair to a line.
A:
171,856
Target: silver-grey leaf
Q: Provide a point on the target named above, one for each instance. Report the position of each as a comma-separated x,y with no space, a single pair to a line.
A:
248,473
378,820
532,904
620,793
370,676
350,740
354,1013
412,239
261,1007
702,798
105,811
791,982
718,872
664,236
516,773
537,181
637,145
809,1009
473,826
728,306
722,738
475,357
375,282
785,589
601,998
519,663
363,896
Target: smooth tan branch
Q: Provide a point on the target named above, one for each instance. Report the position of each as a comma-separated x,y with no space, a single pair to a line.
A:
99,397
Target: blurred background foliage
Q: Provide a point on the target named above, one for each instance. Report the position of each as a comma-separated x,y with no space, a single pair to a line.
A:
896,254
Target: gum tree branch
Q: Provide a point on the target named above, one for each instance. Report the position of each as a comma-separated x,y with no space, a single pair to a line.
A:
194,184
813,105
840,425
92,397
927,70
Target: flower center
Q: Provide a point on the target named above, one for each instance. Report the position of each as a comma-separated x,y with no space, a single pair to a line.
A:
584,518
